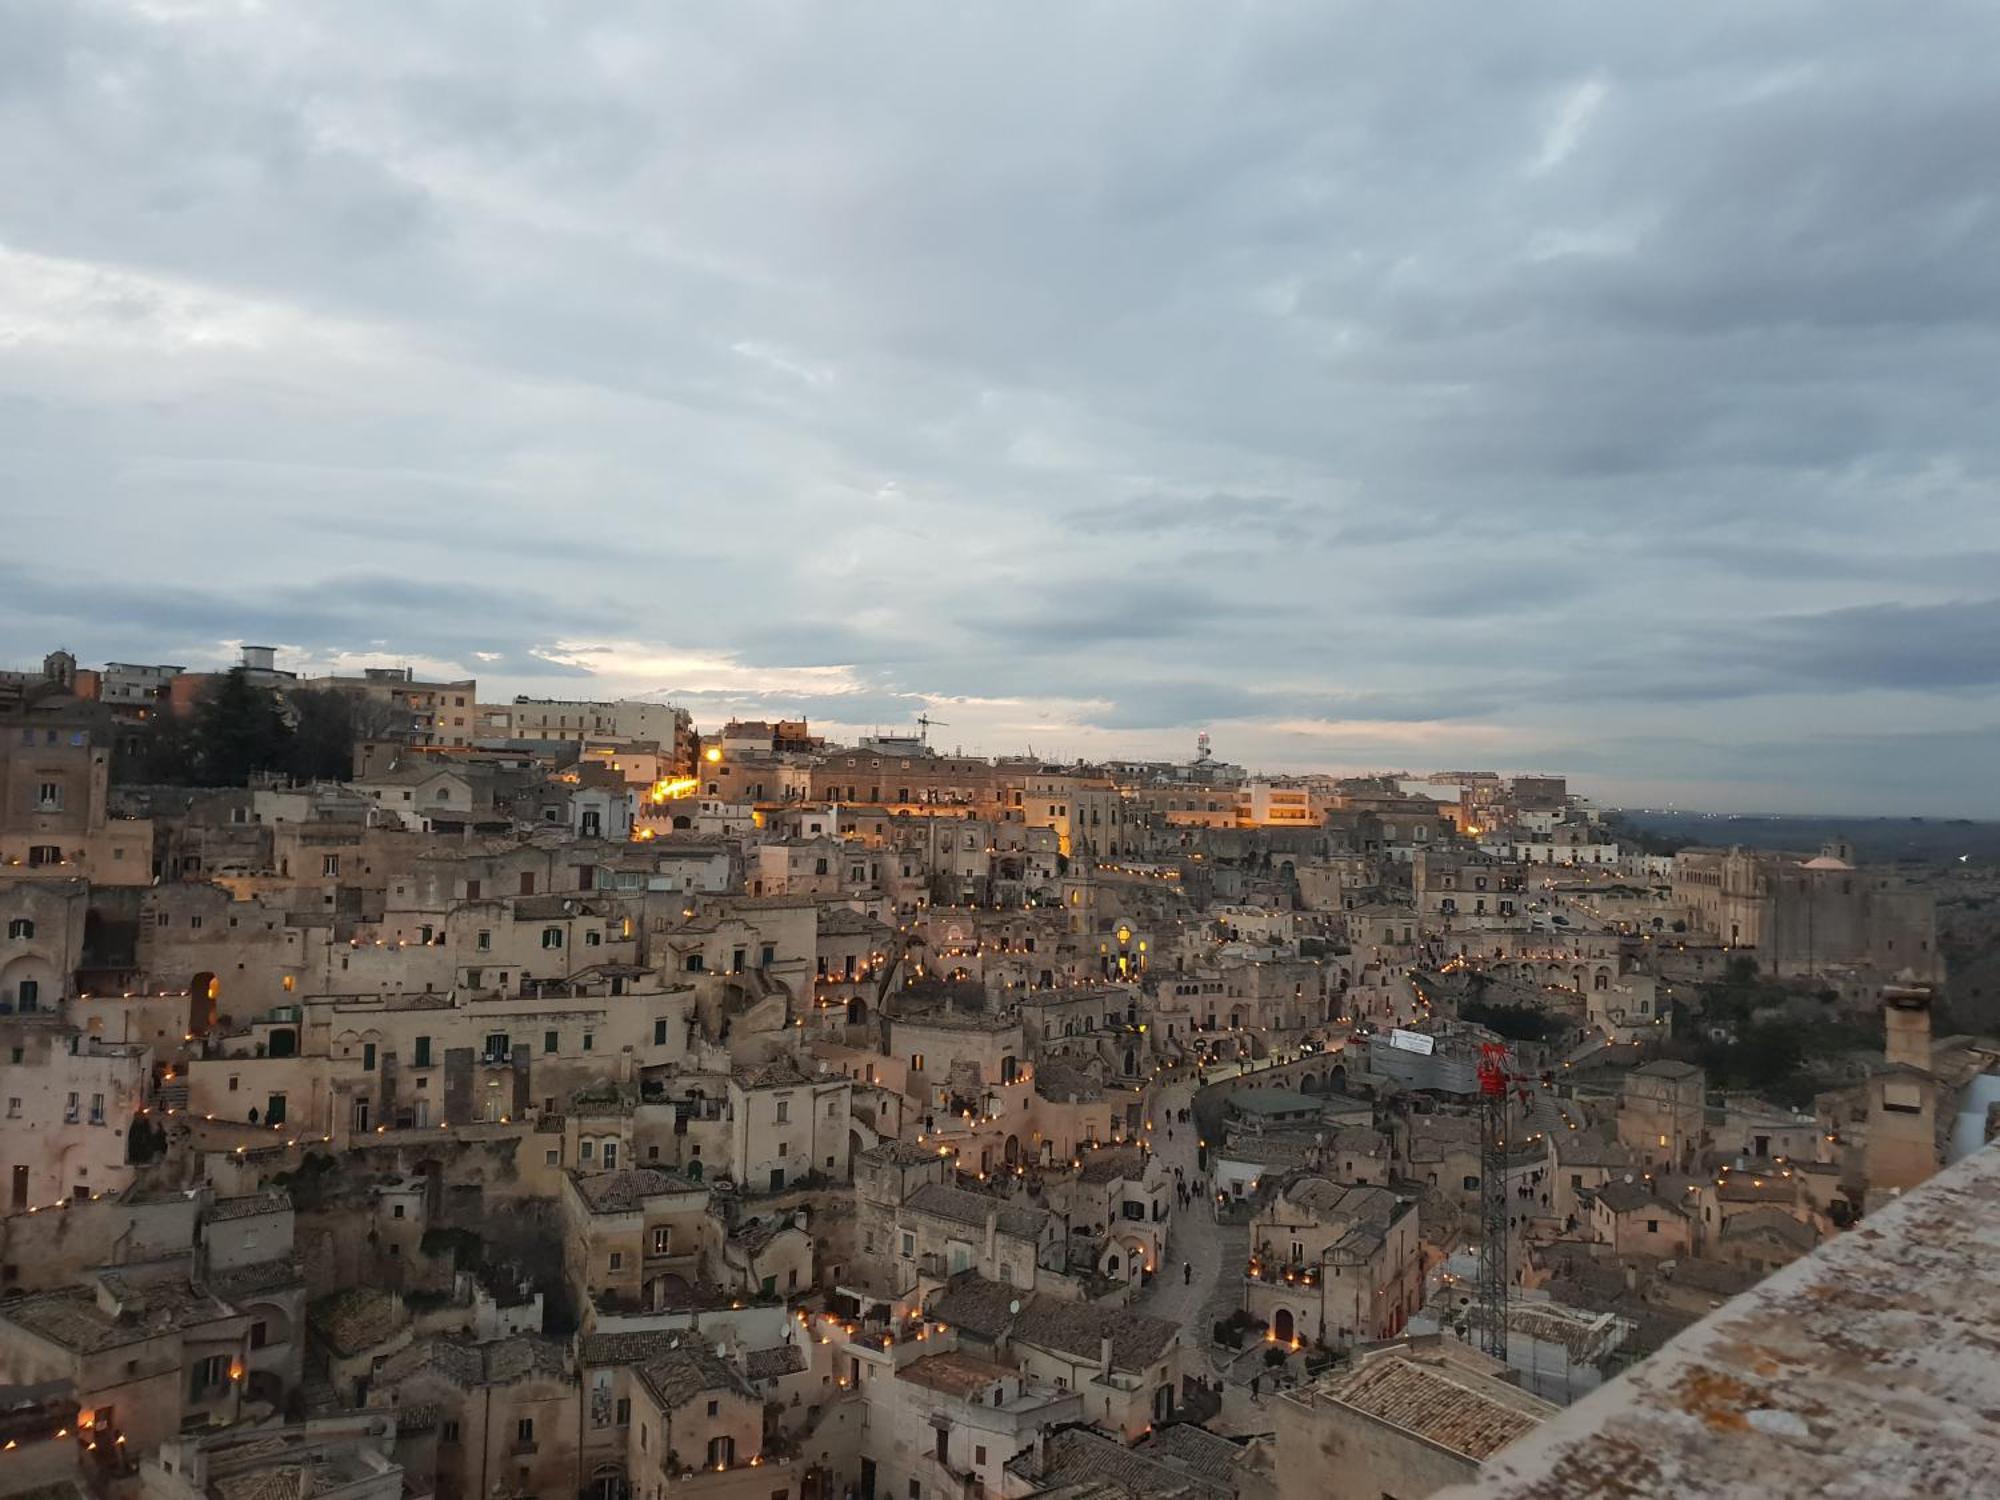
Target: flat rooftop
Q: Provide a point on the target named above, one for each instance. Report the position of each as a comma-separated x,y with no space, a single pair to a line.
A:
1868,1368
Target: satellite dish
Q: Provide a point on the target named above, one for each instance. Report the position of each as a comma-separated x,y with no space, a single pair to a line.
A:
1014,1306
1628,1176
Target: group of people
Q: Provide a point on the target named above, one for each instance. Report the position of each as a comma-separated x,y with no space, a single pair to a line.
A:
1188,1189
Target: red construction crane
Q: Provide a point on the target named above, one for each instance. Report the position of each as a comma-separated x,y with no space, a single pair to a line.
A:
1496,1082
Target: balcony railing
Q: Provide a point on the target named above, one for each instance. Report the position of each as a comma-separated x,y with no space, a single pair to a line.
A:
1283,1273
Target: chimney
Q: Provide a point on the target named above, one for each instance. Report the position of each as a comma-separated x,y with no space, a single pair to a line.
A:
992,1236
1104,1355
1906,1024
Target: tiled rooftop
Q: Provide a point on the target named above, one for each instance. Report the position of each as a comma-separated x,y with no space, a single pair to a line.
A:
623,1191
272,1201
1439,1398
971,1209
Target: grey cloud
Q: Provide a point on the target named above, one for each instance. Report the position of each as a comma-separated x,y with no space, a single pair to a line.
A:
1269,367
1091,612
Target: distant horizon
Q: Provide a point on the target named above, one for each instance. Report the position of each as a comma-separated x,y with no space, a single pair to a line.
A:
1174,745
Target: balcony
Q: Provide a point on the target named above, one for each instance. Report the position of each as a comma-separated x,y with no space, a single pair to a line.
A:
1282,1273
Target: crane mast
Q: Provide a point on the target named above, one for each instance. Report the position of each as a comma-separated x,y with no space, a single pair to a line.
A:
1492,1289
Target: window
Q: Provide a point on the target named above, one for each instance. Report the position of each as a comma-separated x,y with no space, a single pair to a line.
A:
552,937
209,1372
659,1033
549,1040
1652,1226
617,1260
524,1430
13,1109
589,1041
784,1111
610,1155
979,1453
916,1062
909,1246
663,1238
423,1053
1903,1098
593,939
329,865
714,1408
367,1057
944,1445
260,1334
97,1109
20,928
484,941
768,956
622,1412
527,882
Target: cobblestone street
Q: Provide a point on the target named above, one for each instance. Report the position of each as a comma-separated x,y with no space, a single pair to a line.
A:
1216,1252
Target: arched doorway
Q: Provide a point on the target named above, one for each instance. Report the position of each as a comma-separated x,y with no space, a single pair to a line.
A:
1282,1327
857,1012
204,999
1011,1152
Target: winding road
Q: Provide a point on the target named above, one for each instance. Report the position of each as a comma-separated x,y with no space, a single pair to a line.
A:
1215,1251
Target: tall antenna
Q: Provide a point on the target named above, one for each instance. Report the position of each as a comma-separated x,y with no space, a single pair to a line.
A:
1492,1288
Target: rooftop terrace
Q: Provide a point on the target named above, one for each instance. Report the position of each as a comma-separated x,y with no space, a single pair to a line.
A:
1865,1369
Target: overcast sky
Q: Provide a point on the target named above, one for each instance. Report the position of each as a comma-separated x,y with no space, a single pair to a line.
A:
1599,388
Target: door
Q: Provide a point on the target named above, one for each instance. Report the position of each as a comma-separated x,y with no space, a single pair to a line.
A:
20,1187
777,1178
867,1479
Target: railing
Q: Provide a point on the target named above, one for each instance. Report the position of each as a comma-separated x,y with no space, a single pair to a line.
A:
1282,1273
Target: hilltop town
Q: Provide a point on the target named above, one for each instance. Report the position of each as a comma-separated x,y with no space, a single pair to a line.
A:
414,1094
